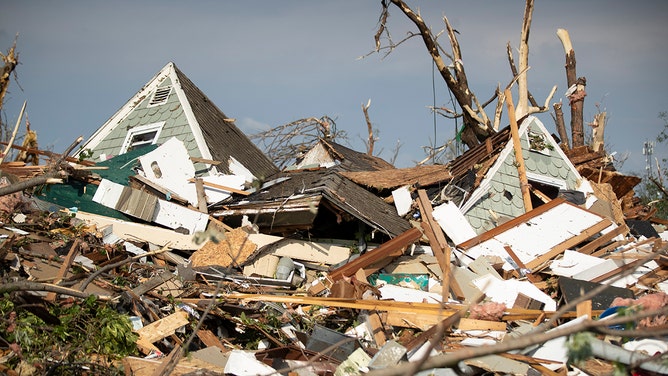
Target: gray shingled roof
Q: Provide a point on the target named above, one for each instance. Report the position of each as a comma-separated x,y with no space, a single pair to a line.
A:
222,136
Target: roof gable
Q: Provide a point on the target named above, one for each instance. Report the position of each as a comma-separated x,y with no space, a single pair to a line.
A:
499,190
170,105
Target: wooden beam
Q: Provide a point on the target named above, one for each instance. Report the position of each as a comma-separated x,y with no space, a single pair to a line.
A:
532,278
603,239
437,240
62,272
384,253
517,148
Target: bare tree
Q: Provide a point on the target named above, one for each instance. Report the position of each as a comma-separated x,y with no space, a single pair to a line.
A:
476,124
285,143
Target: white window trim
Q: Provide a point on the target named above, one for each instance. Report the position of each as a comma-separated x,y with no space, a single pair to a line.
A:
547,180
157,127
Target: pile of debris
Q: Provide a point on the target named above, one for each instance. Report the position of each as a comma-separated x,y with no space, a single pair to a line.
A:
511,259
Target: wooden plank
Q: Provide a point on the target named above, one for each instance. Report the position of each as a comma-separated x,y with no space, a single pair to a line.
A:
201,196
206,161
603,239
162,328
371,305
569,243
421,321
512,223
584,308
472,324
385,252
439,243
209,339
377,329
517,148
532,278
62,272
612,246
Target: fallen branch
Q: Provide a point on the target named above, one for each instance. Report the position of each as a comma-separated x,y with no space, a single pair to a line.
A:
56,174
37,286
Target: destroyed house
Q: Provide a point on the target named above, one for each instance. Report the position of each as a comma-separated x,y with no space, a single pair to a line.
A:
170,105
484,181
318,200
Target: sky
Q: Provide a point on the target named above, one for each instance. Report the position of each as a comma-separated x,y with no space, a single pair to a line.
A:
268,63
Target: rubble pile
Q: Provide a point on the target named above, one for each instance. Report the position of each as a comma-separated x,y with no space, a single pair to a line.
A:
173,245
563,288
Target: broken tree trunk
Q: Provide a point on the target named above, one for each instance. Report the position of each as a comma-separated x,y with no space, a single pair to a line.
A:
598,127
576,90
10,61
561,127
477,126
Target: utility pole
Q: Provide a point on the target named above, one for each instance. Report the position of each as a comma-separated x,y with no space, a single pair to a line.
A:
647,150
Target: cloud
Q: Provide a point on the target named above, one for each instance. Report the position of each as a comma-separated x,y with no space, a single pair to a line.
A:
250,126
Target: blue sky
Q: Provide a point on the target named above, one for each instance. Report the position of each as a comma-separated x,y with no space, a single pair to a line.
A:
267,63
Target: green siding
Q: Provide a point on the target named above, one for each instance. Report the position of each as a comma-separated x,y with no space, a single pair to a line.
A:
504,196
176,125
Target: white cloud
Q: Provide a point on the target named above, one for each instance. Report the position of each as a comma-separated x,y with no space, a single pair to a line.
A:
251,126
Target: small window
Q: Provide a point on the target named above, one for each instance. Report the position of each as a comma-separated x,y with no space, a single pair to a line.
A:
160,96
141,136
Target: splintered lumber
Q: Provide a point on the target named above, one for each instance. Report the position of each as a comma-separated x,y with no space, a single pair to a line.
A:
65,267
371,305
603,239
160,329
436,238
378,257
517,147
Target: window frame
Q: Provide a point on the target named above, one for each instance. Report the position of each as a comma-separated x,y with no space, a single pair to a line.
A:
128,144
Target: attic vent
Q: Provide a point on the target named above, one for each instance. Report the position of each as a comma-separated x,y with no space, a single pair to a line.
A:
160,96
